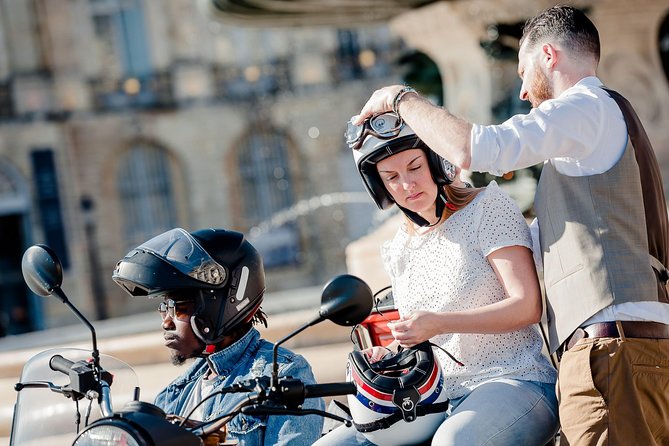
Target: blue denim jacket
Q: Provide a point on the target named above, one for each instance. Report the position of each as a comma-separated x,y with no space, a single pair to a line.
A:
249,357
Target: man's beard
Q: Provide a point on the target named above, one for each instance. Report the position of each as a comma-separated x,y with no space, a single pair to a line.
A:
541,89
179,358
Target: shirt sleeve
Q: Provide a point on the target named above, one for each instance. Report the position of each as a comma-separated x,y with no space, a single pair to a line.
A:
500,222
567,127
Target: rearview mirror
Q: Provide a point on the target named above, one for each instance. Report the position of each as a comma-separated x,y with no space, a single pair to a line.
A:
346,300
42,270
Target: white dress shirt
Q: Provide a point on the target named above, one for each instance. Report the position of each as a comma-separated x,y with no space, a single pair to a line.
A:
581,132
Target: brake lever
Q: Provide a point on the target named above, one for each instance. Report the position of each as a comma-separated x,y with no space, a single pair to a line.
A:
37,385
63,390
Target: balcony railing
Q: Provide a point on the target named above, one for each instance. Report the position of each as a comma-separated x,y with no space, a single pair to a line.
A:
234,83
148,92
231,83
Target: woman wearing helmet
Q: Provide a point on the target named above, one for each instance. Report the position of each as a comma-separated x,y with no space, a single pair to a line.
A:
463,277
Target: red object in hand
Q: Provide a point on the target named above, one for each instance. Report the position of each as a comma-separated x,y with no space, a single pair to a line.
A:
376,326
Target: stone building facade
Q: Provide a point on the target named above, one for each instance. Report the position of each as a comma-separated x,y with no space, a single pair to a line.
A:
120,119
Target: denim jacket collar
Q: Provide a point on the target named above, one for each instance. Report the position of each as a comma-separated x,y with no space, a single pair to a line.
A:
248,357
223,361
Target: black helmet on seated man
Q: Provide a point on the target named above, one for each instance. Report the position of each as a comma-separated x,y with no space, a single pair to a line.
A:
217,269
383,136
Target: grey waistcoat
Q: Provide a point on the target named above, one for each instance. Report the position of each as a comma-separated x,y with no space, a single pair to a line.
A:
594,237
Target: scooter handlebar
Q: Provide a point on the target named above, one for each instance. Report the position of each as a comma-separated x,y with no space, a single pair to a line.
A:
330,389
60,364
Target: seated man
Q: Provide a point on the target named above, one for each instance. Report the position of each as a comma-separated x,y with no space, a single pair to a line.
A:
210,284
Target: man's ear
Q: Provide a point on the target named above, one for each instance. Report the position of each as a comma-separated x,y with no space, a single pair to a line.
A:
549,55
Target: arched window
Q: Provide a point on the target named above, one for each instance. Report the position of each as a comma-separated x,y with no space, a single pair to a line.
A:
145,189
267,188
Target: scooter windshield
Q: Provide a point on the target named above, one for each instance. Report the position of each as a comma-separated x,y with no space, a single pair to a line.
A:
46,418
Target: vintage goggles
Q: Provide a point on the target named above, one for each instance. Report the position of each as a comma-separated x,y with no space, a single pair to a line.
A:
178,248
382,126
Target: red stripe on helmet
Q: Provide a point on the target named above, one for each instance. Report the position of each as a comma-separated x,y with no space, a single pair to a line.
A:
361,384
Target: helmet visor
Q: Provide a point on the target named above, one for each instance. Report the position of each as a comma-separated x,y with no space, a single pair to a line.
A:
383,126
178,248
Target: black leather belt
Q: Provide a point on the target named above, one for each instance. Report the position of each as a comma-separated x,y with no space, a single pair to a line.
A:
631,329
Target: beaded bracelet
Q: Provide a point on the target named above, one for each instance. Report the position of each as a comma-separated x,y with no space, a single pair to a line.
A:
398,97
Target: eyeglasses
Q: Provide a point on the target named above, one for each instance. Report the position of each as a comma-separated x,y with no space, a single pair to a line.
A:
383,126
175,310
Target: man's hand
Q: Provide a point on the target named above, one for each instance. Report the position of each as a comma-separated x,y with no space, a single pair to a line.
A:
443,132
381,101
415,328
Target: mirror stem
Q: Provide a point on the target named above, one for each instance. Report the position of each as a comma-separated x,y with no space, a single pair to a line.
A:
275,349
95,353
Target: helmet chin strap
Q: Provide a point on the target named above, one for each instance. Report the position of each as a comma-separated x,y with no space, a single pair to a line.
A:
419,220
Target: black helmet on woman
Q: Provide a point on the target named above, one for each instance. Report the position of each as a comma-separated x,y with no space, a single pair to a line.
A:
383,136
217,269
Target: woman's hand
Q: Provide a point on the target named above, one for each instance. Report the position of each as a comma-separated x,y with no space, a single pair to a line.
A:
376,353
415,328
514,268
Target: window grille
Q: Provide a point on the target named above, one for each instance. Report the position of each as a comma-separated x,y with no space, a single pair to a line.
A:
146,195
267,188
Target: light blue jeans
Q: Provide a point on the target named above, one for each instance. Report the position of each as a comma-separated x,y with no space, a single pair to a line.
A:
500,412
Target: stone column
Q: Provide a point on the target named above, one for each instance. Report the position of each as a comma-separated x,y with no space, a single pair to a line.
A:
630,63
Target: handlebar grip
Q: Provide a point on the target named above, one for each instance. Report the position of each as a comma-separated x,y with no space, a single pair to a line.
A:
331,389
60,364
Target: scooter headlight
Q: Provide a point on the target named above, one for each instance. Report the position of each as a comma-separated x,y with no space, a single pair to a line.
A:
115,434
139,424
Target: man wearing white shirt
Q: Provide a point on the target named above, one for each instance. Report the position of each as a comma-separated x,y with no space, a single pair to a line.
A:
602,223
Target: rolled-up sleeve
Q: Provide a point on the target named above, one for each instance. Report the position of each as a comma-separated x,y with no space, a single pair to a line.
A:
560,128
484,152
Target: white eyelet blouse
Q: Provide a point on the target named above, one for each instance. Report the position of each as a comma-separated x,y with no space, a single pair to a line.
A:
446,269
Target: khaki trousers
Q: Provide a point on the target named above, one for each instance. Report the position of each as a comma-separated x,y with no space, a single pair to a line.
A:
615,391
